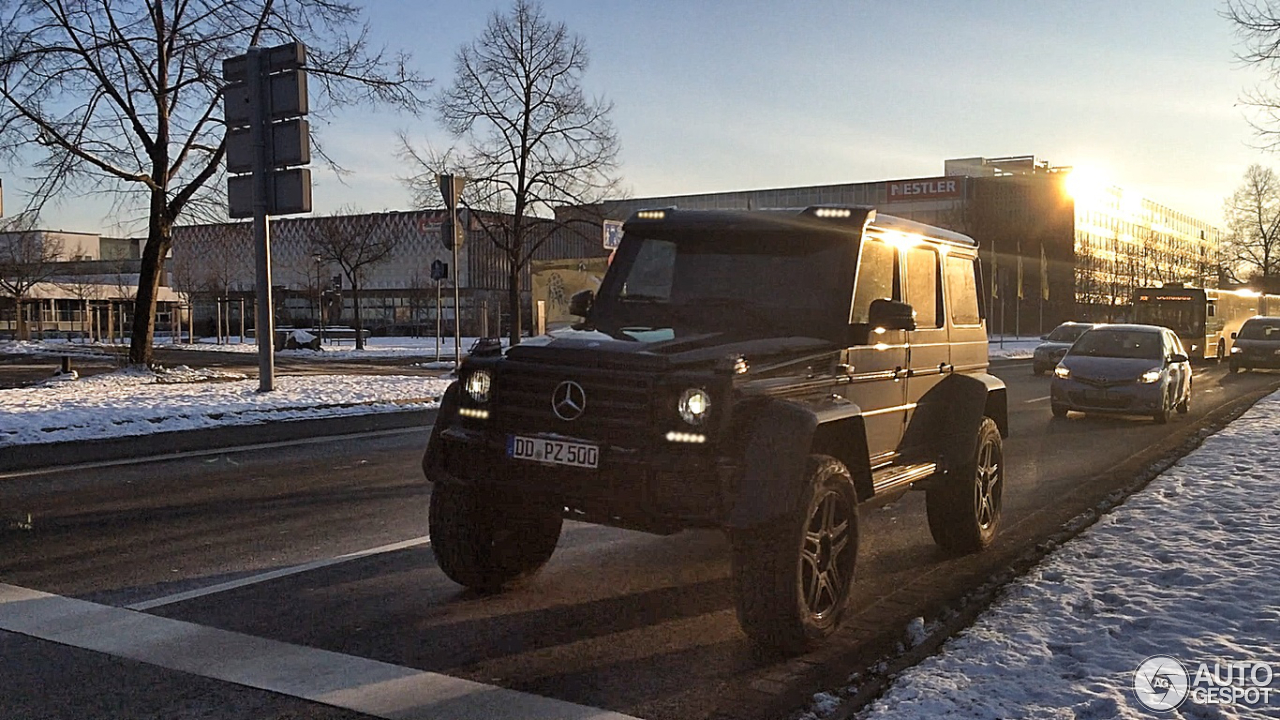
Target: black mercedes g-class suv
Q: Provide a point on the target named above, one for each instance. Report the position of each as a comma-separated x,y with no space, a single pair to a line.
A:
760,372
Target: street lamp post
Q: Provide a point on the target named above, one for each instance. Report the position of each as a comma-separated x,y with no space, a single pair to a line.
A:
319,296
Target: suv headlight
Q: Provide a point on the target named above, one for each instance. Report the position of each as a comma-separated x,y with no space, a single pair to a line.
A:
478,384
1235,349
694,405
1150,376
1062,371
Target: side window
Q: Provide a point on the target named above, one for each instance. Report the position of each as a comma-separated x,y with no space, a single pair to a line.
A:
922,286
877,278
962,291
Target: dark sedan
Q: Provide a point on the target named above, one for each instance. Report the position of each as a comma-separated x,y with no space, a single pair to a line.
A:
1257,345
1055,345
1126,370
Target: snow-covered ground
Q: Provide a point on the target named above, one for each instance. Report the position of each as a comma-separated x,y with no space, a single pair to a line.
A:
1188,569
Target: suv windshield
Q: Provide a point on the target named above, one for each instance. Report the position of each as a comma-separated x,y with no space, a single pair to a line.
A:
1119,344
754,285
1261,330
1067,333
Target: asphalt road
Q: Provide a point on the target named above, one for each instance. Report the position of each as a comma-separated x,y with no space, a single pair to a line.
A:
627,622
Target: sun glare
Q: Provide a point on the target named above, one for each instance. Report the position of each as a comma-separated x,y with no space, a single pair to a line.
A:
1085,183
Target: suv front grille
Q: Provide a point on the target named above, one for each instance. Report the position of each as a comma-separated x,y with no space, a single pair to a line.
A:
617,408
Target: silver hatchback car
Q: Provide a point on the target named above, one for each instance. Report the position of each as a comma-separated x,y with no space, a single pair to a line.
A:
1123,370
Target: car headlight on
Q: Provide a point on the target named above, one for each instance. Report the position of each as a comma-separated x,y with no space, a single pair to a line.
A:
1150,376
1236,350
478,385
694,405
1062,371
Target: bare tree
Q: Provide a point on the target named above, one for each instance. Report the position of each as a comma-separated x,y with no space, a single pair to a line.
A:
355,242
1257,24
1251,246
530,139
125,98
27,257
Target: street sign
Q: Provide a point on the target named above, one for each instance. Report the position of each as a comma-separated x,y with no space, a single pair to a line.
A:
281,57
451,188
288,191
439,270
290,145
612,234
286,96
266,94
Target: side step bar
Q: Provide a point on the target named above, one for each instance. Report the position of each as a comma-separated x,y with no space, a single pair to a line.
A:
895,476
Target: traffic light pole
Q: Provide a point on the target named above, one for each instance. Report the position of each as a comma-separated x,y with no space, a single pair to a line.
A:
265,332
457,308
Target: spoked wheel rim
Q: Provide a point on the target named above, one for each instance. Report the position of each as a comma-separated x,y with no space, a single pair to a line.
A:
988,488
826,558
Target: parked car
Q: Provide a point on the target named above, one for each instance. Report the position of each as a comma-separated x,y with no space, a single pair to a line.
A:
1123,369
1049,352
1257,344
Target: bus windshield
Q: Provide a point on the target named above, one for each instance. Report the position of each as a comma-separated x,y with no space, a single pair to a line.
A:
1182,314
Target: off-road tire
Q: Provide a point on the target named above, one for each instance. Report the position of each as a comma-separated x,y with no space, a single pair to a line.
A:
792,578
1221,352
1184,406
1059,411
1234,368
486,544
964,506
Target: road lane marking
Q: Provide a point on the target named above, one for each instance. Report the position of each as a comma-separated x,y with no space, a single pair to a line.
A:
367,686
204,453
274,574
1039,399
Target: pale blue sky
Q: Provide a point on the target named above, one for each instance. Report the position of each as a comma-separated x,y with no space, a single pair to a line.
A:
713,95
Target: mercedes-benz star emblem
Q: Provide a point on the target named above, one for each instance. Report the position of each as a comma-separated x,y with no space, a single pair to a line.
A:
569,400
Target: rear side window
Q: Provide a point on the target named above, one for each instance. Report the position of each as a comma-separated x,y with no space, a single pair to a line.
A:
923,291
962,291
877,278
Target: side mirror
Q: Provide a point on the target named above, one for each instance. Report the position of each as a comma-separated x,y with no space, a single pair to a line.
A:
1044,337
1233,335
580,303
891,315
1178,358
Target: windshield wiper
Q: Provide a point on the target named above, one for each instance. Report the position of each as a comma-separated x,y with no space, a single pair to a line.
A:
639,298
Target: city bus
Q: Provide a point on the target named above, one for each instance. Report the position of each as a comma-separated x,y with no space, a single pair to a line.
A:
1204,318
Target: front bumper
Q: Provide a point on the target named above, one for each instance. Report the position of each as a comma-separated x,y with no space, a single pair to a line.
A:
1128,398
657,490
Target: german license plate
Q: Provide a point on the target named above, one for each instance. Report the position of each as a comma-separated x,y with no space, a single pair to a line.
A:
553,452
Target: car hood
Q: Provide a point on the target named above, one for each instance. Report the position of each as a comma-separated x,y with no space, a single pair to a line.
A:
1107,368
660,351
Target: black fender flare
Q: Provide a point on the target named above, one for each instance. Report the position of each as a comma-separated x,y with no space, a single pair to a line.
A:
776,445
432,459
944,425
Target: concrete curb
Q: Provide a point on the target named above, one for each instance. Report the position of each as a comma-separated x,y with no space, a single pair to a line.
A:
19,458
